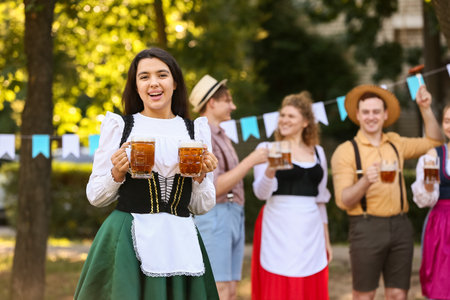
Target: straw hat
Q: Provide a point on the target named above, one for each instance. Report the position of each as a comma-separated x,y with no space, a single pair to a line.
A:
392,104
203,90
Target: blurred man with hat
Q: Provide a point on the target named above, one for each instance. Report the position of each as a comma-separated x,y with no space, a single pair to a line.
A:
380,233
222,228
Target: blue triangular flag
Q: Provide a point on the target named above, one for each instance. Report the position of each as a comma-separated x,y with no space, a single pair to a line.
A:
340,103
93,143
40,144
249,127
414,82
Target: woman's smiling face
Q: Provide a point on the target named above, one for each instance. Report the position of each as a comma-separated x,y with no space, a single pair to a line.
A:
291,122
155,86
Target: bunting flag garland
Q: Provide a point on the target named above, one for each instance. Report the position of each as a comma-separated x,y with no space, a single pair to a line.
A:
7,146
41,145
341,107
319,113
414,82
249,125
230,130
70,145
270,122
93,143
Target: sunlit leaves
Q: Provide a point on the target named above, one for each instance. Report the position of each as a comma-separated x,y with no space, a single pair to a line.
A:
95,41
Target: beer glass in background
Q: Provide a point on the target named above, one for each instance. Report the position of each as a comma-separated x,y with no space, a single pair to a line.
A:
190,158
431,169
275,157
285,147
388,171
142,156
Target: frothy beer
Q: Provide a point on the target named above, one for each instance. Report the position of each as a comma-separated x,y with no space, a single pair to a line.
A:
275,160
387,171
142,156
190,154
286,158
431,174
279,155
387,176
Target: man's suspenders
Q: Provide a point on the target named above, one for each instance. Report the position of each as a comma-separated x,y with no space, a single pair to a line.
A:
359,174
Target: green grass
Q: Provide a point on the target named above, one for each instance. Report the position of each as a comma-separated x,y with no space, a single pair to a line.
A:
61,273
61,277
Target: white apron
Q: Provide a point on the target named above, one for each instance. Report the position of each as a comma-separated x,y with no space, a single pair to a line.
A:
293,238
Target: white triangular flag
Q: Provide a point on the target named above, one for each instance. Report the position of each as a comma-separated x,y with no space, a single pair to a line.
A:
448,69
320,113
70,145
270,122
230,130
7,146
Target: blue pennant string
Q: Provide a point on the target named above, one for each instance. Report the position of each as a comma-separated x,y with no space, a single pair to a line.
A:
249,127
93,143
40,145
340,103
414,82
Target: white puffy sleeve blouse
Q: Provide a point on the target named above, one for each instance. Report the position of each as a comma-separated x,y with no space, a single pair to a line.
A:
102,190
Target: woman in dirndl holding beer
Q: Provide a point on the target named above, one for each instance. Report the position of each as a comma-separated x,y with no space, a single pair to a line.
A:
148,247
291,246
432,189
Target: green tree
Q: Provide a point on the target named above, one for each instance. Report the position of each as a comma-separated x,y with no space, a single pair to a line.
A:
289,59
216,39
95,41
12,62
363,20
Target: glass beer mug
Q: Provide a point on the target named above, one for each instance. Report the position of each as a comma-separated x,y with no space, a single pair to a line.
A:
279,155
388,169
142,156
431,170
275,157
190,158
285,147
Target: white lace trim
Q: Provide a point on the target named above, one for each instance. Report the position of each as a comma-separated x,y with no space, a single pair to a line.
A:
172,274
134,241
150,274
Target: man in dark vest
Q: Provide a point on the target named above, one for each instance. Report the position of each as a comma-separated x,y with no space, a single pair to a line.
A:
380,235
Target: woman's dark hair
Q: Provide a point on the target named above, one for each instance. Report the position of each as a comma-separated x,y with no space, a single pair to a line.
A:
131,101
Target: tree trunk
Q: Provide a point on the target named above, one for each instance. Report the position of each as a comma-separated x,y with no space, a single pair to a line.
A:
28,273
160,24
432,56
442,9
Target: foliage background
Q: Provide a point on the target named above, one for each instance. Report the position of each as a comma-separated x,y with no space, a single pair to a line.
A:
262,47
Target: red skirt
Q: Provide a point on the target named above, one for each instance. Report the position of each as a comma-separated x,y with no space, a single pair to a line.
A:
270,286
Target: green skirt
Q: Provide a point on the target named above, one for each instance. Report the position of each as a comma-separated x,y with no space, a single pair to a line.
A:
113,272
